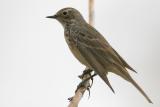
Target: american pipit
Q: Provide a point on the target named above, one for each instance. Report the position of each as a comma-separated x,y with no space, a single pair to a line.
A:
91,48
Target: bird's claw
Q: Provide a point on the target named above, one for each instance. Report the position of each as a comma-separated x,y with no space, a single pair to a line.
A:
85,72
82,84
89,92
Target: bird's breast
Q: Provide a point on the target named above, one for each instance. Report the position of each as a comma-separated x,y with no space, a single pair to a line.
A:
72,44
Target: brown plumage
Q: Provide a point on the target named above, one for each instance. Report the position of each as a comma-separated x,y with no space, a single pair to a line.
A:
91,48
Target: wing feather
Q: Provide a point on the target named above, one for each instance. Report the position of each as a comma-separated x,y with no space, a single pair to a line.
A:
92,59
97,52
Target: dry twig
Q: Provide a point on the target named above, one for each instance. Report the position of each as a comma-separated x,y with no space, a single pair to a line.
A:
74,101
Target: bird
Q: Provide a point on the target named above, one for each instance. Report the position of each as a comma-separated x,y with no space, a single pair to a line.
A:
92,49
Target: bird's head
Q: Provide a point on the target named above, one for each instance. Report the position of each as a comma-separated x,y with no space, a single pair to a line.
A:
68,16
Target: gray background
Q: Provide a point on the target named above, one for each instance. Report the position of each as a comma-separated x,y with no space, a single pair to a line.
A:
38,70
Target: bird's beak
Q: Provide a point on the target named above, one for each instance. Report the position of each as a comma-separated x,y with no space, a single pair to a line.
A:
52,17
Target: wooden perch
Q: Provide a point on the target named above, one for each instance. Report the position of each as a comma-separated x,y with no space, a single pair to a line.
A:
74,101
91,12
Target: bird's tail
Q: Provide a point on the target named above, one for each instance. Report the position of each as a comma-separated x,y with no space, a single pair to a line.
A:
119,70
140,90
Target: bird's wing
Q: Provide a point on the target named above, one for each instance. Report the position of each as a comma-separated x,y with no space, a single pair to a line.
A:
124,62
90,37
97,52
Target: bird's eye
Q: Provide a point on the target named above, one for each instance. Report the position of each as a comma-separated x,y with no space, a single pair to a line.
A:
65,13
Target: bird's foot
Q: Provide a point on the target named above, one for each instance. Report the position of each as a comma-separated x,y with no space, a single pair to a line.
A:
85,72
83,83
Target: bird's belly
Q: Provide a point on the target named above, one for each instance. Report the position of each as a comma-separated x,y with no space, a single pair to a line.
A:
76,52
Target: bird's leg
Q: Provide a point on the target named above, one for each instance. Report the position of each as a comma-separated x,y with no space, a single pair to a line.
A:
85,77
92,78
82,84
85,72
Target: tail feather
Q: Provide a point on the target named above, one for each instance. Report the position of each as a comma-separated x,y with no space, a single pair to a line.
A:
140,90
119,70
107,82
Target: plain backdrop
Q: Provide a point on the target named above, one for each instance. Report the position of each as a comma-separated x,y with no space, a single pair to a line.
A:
38,70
